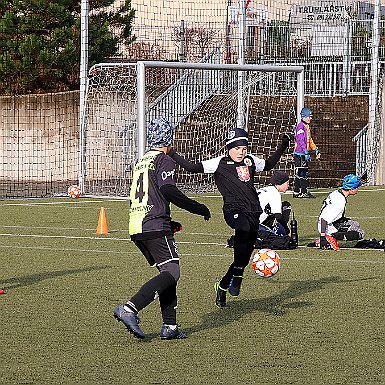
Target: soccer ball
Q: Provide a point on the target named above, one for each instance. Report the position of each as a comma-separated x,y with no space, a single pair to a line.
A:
74,191
266,262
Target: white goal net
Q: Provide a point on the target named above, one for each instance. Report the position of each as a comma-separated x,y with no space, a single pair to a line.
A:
203,101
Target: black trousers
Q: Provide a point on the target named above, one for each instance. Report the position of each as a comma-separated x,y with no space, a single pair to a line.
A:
246,231
301,174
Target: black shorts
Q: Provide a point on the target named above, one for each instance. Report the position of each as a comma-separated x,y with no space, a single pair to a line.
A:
159,251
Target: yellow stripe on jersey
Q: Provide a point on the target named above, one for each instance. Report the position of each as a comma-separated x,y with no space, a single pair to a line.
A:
139,206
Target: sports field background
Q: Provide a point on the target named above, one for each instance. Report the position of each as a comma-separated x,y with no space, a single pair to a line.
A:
320,320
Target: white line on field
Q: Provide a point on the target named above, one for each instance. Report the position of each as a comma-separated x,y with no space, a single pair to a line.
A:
96,238
301,258
129,240
187,254
63,236
83,229
66,249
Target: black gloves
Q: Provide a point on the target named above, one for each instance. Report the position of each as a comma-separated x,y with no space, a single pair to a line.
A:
207,215
175,226
285,139
324,244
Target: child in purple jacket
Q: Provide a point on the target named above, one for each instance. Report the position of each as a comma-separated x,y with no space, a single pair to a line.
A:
304,146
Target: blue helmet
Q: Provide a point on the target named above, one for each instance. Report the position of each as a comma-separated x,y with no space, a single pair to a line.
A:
351,182
306,112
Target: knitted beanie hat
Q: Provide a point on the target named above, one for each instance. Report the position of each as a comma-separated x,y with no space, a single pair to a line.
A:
160,133
279,177
306,112
236,137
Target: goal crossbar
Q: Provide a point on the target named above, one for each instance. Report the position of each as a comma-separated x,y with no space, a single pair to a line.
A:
141,83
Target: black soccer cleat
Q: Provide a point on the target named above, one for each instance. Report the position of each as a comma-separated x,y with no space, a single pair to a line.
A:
167,333
235,286
304,195
307,195
220,298
130,320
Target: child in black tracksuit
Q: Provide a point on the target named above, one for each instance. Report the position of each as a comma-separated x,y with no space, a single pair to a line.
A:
234,177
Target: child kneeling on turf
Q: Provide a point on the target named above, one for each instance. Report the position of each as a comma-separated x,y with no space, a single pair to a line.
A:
333,226
274,232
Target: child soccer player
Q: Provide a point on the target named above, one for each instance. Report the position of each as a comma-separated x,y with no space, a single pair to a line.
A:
151,229
332,223
304,146
274,232
234,176
275,213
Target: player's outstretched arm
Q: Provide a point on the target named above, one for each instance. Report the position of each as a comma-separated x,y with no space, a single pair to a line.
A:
273,159
186,164
175,196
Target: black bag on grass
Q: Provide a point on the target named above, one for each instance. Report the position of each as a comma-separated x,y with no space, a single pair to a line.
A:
268,240
371,244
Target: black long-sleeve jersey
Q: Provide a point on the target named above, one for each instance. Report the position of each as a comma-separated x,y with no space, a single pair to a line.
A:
235,181
153,188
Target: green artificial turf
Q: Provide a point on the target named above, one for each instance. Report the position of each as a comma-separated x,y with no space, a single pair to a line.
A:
320,320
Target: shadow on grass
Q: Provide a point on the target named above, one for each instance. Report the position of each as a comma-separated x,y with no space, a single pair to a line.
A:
275,305
27,280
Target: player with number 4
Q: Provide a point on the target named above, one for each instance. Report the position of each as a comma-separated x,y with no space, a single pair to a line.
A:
153,188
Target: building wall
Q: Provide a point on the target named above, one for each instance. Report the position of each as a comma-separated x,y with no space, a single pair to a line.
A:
39,138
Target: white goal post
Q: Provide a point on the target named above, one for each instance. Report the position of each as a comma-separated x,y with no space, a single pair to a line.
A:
203,100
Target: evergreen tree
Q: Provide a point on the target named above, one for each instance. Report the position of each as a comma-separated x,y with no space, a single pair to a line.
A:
40,41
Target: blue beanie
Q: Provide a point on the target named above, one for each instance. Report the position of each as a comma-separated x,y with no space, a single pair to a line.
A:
236,137
306,112
351,182
160,133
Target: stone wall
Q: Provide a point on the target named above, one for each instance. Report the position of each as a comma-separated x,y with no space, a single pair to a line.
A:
39,143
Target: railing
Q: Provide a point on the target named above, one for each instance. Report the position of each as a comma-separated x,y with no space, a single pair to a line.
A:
337,78
361,140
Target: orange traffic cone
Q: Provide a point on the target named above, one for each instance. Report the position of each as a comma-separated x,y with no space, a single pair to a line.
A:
102,223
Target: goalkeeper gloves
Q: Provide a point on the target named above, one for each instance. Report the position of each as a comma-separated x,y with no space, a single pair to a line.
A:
175,226
324,244
317,153
328,242
285,139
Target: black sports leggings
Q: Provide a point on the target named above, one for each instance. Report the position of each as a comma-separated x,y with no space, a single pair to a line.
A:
245,236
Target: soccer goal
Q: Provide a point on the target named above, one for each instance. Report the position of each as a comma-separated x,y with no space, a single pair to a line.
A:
202,100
